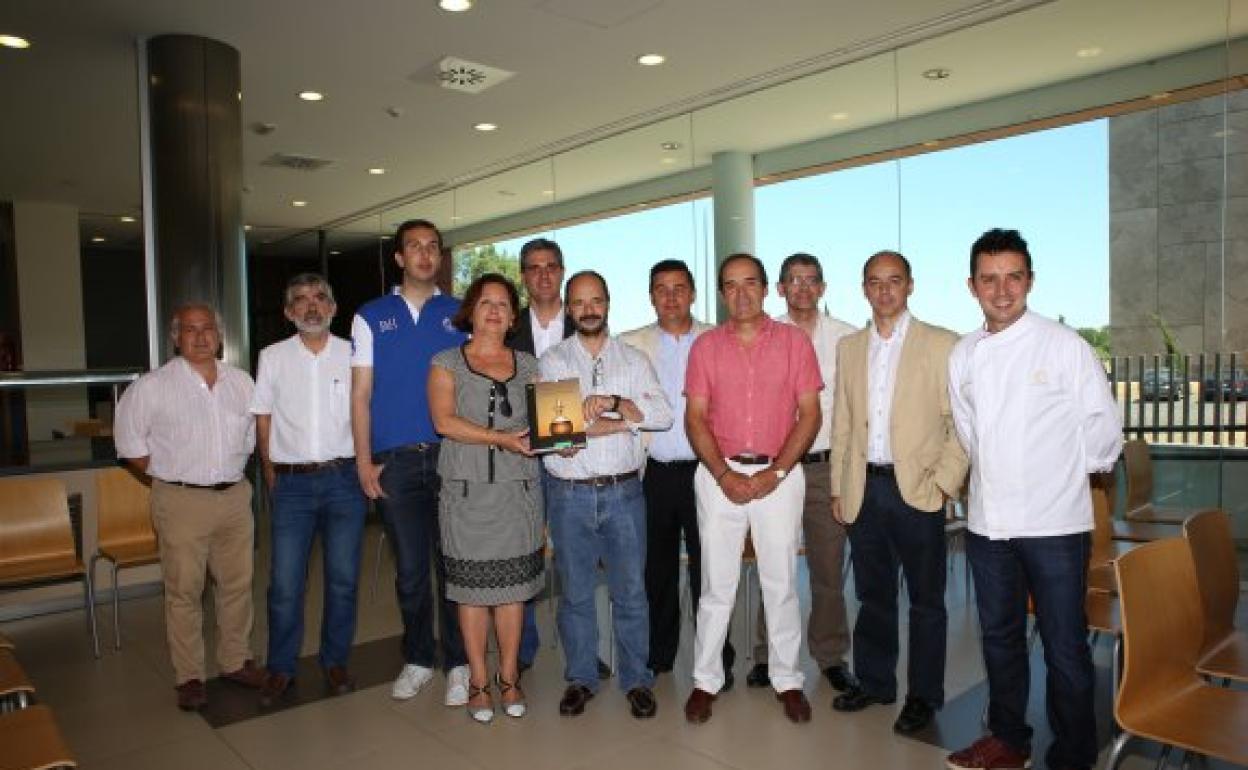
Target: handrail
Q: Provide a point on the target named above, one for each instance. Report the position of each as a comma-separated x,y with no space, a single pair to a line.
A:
61,377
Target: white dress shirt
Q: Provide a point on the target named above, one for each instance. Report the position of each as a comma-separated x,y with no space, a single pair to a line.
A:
192,433
619,370
546,337
882,358
828,331
672,360
362,335
309,397
1034,412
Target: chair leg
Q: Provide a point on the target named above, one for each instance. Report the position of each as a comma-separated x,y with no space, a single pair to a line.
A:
1116,751
88,590
116,609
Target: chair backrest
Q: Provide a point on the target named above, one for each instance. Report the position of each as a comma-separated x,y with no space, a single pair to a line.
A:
124,504
1161,626
1138,462
1208,534
34,527
1101,486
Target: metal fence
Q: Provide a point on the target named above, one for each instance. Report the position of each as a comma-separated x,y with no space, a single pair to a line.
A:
1198,400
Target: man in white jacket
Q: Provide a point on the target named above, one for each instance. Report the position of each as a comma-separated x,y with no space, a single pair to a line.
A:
1033,409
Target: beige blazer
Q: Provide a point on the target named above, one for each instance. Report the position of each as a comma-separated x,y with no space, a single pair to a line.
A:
646,339
927,457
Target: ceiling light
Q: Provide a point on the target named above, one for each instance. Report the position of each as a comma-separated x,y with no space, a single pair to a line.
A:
485,126
651,59
1088,53
932,143
334,253
247,228
670,146
667,161
126,219
13,41
548,192
98,239
1159,96
455,6
839,115
298,204
377,171
311,96
937,73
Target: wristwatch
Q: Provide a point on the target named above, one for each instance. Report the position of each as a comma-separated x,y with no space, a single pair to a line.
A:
780,472
615,404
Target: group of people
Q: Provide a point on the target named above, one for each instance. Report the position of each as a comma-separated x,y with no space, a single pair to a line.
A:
799,430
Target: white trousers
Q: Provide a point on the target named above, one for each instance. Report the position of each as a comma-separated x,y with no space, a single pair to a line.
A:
775,523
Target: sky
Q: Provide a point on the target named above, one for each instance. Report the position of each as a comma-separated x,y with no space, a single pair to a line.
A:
1050,185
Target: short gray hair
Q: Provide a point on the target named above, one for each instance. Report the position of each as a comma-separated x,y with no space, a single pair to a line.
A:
175,323
308,279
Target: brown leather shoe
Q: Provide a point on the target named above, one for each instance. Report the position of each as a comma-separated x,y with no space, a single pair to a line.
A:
191,695
796,707
247,676
275,686
574,700
338,681
698,707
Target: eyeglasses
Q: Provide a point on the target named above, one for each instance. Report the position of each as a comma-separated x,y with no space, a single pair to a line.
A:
498,395
599,374
803,280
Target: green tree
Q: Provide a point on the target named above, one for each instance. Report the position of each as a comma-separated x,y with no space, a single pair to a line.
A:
473,263
1098,339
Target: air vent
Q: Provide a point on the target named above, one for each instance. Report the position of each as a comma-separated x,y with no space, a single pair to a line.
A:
295,162
469,77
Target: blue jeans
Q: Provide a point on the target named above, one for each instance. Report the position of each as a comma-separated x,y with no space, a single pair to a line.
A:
607,524
410,513
1054,571
329,502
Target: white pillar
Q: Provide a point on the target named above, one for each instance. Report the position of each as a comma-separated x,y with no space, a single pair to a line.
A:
732,190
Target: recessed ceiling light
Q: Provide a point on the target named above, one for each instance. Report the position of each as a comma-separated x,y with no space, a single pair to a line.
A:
485,126
298,204
334,253
454,218
126,219
839,116
311,96
1159,96
670,146
247,228
651,59
13,41
455,6
377,171
548,192
1088,53
932,143
937,73
98,239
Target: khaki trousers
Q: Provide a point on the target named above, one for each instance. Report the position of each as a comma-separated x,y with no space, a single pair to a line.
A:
201,533
827,631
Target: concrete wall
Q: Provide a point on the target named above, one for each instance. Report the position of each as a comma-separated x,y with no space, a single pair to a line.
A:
1178,226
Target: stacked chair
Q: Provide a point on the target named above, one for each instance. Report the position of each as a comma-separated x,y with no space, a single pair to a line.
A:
29,737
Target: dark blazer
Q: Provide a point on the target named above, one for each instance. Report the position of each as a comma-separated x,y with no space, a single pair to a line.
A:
522,336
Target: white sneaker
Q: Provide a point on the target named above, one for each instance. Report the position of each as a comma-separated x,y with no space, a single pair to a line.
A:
411,679
457,686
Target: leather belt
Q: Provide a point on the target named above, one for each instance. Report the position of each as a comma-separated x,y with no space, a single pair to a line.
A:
875,469
420,448
218,487
751,459
311,467
817,457
674,463
601,481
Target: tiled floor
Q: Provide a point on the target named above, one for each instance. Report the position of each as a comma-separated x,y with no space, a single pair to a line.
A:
118,713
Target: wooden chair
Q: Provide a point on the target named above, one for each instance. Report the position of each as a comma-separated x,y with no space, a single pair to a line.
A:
126,537
30,740
1224,652
1162,697
6,643
1138,461
16,690
37,540
1105,549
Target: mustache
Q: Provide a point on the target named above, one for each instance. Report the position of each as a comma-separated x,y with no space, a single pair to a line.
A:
585,318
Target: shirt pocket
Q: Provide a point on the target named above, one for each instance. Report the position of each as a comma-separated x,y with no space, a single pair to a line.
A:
339,398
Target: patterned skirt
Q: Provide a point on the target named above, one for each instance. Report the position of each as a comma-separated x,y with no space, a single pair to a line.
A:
493,541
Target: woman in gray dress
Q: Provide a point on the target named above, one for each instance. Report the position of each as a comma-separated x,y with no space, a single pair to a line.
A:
493,535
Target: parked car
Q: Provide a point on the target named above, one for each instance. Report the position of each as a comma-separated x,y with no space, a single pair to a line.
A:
1231,384
1161,384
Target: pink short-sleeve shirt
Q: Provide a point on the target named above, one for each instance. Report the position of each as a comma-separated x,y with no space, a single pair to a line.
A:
752,392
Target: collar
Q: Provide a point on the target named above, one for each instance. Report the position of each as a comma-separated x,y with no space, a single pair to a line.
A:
899,331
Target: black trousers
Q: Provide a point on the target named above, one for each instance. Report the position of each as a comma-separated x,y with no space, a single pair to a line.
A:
887,534
671,513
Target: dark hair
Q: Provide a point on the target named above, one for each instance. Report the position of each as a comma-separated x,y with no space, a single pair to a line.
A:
462,319
800,258
758,263
567,287
905,263
670,266
308,279
412,224
996,241
540,244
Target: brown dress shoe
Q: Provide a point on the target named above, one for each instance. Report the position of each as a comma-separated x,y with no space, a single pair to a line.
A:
698,707
275,686
796,707
338,681
191,695
574,700
247,676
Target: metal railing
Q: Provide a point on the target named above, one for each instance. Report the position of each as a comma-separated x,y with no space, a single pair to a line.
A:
1199,399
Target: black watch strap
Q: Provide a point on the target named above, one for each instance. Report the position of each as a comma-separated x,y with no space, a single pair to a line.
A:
615,403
